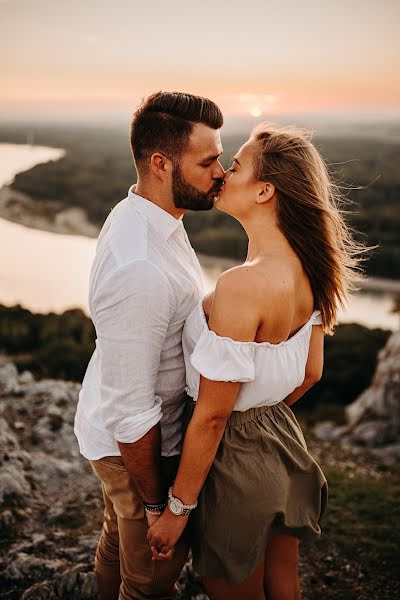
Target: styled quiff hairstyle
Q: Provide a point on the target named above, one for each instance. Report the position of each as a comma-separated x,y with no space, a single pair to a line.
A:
309,214
164,122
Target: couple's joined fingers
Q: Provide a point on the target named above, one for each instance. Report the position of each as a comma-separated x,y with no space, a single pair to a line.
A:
162,553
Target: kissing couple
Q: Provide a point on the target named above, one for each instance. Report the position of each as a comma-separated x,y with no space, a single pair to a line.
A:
184,411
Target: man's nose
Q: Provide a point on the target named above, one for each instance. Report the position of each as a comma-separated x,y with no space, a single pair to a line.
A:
219,172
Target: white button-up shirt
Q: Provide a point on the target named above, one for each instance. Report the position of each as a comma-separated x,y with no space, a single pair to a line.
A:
144,281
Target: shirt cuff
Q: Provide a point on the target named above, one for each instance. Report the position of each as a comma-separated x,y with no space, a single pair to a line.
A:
132,429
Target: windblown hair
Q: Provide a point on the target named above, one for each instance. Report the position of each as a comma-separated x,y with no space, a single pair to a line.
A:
309,214
164,122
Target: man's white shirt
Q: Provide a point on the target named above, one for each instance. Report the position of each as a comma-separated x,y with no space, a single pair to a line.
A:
144,281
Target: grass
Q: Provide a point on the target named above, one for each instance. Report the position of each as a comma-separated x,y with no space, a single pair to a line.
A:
362,524
363,516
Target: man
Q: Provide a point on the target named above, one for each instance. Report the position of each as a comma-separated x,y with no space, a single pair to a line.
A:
144,281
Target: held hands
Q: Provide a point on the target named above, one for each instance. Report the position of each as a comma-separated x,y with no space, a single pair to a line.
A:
151,519
163,534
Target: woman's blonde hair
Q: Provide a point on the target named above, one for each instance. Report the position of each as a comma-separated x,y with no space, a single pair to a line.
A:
309,214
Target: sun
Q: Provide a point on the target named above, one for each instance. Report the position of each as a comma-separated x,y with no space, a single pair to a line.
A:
255,111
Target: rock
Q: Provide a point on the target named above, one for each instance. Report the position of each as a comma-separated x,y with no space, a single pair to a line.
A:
14,487
54,392
25,378
326,430
24,566
375,433
46,468
390,455
8,440
74,583
7,520
40,591
373,420
8,379
382,398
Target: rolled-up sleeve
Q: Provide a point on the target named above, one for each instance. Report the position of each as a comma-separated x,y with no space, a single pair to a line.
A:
132,310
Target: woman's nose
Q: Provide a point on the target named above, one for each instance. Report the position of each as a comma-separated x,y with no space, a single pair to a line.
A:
219,172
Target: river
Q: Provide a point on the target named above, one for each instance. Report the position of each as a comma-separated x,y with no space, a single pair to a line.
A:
46,271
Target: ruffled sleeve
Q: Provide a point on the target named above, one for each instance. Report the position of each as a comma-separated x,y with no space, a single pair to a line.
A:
223,359
316,318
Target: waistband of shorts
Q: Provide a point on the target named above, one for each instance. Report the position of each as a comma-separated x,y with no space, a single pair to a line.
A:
238,417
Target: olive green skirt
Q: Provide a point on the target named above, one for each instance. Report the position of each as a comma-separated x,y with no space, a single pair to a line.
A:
263,482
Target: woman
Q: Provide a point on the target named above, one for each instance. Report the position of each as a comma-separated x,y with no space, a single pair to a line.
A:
252,348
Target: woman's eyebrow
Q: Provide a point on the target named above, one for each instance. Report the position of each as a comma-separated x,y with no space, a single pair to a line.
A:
235,160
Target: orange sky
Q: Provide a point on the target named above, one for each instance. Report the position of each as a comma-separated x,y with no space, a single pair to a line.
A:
251,56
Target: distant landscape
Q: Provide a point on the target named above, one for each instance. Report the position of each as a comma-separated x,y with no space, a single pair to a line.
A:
356,555
60,346
97,171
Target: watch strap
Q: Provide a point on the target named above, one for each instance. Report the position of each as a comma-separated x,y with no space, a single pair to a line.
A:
186,509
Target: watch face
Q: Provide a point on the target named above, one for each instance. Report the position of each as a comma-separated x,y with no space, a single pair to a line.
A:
175,506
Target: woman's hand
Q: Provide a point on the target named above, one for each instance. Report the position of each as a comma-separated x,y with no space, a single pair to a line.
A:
164,534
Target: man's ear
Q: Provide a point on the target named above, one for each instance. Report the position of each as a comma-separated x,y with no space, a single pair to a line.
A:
266,192
161,166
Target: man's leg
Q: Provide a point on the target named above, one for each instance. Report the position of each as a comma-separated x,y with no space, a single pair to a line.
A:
107,554
142,578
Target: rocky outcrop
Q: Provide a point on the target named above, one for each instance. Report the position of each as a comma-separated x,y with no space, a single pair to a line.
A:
50,504
50,500
373,419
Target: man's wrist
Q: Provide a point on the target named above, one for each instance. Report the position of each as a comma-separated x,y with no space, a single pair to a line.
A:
155,508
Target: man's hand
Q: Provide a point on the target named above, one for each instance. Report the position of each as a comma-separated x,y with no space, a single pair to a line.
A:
151,518
164,533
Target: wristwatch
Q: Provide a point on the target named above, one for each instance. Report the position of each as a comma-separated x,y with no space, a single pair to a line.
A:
176,505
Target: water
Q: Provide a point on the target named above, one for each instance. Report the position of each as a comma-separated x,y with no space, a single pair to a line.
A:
46,272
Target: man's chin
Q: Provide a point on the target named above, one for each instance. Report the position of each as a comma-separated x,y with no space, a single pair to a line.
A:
208,204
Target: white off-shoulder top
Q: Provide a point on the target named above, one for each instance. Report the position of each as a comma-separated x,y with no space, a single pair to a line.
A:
269,372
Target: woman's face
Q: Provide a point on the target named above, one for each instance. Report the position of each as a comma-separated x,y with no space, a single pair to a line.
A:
240,189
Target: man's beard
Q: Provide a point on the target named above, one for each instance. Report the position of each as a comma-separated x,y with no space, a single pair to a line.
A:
189,197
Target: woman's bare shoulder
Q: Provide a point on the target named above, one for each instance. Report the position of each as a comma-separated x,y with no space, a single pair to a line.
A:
265,282
241,281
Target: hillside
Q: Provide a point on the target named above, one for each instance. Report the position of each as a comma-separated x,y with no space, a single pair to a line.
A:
98,170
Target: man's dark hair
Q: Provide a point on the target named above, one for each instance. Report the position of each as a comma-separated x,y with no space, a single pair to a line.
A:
164,122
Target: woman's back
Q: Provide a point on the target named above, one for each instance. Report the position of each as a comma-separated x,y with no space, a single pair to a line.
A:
265,295
282,298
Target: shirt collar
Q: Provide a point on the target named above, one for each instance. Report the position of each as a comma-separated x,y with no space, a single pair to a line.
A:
160,219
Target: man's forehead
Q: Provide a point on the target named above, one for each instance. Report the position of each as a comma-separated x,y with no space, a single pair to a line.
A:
205,140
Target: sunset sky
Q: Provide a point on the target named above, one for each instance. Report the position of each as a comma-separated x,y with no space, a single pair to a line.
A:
254,57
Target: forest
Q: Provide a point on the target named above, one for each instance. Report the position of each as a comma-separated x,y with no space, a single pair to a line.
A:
97,171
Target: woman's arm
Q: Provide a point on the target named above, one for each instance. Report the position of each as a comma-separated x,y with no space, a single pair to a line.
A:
314,366
238,320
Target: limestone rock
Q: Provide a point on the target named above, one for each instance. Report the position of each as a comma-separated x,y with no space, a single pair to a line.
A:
8,379
25,377
382,398
326,430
